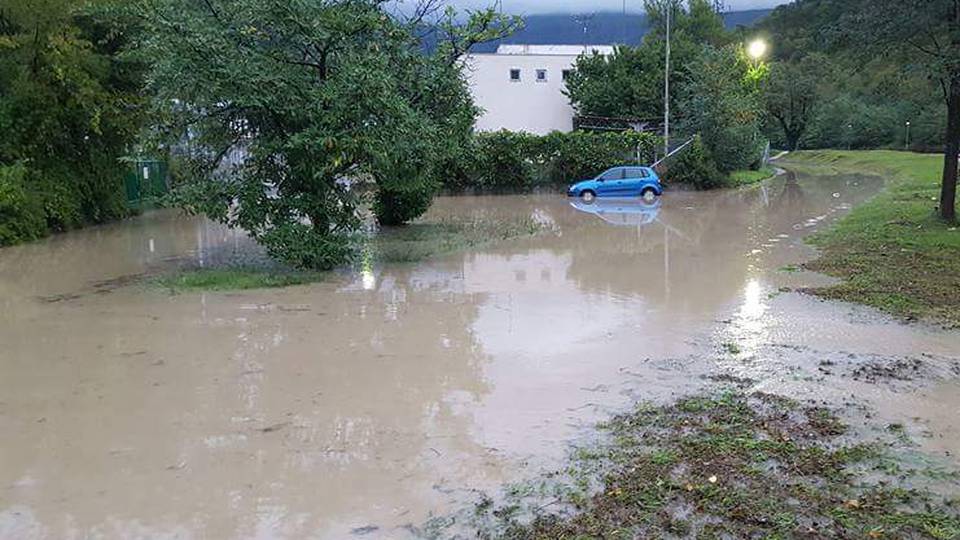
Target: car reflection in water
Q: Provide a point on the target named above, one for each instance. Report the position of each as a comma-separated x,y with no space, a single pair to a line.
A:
622,212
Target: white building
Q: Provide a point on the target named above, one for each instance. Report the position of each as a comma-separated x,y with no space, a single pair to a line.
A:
520,87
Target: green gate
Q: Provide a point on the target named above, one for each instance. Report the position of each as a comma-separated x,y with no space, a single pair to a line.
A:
146,181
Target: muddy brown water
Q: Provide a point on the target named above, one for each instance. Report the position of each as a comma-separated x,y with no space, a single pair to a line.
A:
367,403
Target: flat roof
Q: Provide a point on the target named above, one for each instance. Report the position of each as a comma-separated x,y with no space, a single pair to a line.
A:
552,50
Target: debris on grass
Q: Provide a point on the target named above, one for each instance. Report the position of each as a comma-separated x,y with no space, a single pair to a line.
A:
726,465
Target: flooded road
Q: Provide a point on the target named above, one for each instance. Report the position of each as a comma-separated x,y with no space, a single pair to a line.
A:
363,405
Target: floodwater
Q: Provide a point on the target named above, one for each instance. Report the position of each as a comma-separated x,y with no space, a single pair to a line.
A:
365,404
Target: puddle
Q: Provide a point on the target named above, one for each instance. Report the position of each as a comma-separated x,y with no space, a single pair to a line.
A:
365,404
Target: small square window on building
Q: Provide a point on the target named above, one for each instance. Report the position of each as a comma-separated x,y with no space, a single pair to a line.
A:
566,73
541,75
515,75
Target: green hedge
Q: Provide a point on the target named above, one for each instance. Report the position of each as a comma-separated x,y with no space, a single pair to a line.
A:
21,214
510,160
35,202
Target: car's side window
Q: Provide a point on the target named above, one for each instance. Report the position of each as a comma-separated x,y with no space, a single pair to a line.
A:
612,174
636,172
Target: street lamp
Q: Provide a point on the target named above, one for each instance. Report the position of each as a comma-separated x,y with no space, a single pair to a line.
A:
757,49
906,139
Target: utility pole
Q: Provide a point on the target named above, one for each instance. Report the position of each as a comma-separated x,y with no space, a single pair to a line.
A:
624,19
666,88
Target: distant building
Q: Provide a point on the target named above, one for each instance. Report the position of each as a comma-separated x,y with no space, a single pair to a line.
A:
520,87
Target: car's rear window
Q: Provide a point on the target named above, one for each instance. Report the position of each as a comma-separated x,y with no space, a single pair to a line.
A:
637,172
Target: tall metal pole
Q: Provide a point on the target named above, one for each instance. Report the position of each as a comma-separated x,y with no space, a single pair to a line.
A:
666,88
624,19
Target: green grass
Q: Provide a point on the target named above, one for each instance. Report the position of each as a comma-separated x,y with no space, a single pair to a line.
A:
746,177
892,252
425,239
729,465
235,279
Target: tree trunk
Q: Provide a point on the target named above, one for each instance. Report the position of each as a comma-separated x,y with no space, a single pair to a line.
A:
793,141
948,186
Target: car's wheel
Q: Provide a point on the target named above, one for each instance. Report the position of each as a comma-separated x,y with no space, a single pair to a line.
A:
648,194
588,196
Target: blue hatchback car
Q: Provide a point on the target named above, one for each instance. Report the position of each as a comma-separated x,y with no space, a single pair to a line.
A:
626,181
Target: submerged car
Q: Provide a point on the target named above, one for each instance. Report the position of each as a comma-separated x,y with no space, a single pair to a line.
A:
627,181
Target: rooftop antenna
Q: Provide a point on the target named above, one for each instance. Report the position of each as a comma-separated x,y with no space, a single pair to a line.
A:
584,19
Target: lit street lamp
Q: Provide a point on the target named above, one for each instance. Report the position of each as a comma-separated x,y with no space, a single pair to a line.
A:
757,49
906,139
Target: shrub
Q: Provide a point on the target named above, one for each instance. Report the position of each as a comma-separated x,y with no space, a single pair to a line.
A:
694,166
504,159
721,104
395,206
507,159
574,156
21,214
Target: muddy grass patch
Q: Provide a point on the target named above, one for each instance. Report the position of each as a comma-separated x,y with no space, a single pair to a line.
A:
892,251
730,465
422,240
410,243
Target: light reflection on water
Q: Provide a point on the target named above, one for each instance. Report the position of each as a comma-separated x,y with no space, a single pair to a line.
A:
380,395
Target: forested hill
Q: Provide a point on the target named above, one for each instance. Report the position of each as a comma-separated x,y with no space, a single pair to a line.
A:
601,28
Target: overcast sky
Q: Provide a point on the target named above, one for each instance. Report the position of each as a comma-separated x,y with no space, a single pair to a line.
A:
585,6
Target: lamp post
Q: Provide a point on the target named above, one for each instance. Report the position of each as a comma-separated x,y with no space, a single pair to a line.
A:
666,90
906,138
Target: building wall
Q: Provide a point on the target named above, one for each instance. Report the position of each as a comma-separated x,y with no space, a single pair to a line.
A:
527,105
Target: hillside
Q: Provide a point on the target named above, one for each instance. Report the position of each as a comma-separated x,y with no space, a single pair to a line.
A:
598,29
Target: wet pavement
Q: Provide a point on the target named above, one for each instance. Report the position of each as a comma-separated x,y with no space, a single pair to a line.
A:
363,405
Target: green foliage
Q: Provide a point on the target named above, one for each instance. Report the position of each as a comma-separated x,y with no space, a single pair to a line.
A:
721,105
698,21
398,206
750,176
68,109
509,160
715,90
695,167
504,159
790,94
860,98
569,157
627,83
21,215
316,96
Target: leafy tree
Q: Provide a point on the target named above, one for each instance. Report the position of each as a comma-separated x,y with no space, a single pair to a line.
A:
791,94
629,83
698,22
315,96
923,34
69,109
889,50
722,105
